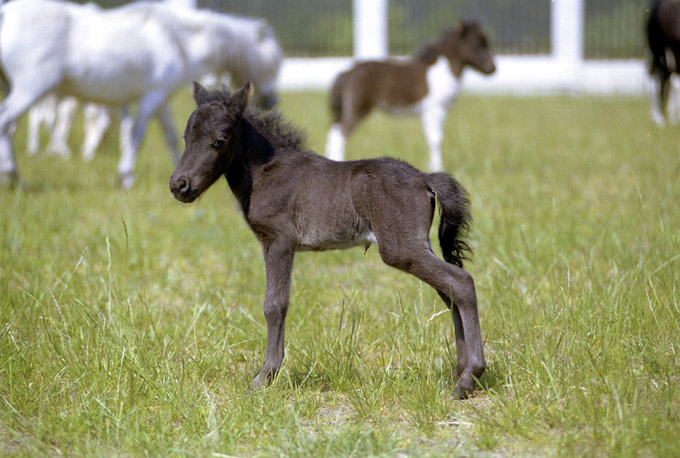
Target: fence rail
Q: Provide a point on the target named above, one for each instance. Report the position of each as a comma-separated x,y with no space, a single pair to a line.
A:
613,29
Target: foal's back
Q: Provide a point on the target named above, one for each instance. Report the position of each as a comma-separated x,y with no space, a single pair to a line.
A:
385,84
324,204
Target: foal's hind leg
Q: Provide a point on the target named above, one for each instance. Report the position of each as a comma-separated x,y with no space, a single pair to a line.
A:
461,353
456,287
341,130
278,262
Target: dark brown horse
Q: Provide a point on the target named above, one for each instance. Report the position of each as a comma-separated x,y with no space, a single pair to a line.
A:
426,84
663,37
294,200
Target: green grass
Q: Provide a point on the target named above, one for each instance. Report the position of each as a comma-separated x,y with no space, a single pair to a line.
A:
131,324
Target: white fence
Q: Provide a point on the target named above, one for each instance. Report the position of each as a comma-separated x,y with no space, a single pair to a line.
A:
564,70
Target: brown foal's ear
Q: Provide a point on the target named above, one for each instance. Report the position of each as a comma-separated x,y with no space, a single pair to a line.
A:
201,94
242,96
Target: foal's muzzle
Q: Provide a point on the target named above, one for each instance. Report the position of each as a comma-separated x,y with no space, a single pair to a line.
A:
181,189
488,68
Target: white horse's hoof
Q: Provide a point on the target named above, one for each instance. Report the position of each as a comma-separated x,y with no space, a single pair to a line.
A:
126,180
61,152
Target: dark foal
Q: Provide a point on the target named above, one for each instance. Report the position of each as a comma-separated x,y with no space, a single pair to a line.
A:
427,84
663,38
294,200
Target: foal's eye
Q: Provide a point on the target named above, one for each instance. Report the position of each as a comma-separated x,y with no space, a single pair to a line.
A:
219,143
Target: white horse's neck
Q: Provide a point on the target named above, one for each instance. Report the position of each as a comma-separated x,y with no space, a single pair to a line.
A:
213,43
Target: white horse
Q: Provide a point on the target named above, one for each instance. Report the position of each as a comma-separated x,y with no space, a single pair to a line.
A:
142,53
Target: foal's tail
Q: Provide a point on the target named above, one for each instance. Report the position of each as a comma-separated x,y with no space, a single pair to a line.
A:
455,220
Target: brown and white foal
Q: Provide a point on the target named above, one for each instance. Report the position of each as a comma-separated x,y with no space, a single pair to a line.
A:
426,84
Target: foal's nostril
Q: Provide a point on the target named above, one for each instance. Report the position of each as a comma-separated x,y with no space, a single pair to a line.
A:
180,186
183,186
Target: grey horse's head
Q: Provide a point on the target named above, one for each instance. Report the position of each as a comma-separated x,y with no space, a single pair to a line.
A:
262,65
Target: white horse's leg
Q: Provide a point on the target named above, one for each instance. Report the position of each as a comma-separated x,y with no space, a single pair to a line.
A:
42,113
673,107
128,152
169,129
335,143
147,106
97,120
8,168
15,104
655,96
35,120
434,118
59,141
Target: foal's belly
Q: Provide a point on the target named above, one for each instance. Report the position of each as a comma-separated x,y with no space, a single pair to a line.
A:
414,109
311,243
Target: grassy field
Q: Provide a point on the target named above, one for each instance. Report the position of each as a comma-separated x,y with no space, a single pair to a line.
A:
131,324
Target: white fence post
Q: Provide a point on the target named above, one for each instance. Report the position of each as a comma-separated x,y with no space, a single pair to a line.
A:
566,36
370,29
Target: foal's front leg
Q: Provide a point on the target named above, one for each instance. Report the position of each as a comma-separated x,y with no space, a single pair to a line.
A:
278,263
434,119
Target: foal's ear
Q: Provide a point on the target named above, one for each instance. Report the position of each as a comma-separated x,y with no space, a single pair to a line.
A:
242,96
466,27
201,94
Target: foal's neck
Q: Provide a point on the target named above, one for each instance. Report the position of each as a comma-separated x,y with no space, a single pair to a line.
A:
249,150
431,54
453,56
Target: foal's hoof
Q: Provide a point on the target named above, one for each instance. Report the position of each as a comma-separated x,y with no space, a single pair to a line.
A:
459,393
465,388
262,380
125,180
256,384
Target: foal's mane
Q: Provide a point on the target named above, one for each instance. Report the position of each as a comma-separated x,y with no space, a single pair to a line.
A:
430,51
280,132
271,124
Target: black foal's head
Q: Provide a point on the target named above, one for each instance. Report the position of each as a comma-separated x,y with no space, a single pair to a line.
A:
209,137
